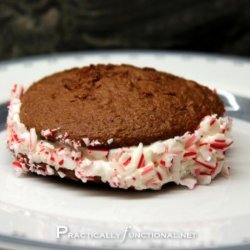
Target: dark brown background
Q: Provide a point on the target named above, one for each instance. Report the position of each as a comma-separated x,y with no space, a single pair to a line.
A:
46,26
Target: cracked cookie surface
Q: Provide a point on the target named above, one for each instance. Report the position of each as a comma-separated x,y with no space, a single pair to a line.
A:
122,102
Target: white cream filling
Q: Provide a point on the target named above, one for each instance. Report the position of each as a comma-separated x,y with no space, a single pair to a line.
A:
194,158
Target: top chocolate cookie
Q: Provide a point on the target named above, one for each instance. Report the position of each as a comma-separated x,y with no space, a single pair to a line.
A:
120,102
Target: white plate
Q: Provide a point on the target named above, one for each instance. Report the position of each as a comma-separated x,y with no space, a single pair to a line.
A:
31,207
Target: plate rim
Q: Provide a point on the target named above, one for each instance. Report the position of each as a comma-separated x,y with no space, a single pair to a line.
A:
30,58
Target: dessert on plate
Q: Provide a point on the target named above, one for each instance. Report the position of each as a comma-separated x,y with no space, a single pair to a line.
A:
126,126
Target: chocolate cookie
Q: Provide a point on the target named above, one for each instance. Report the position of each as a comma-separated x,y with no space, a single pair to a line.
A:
118,124
123,103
